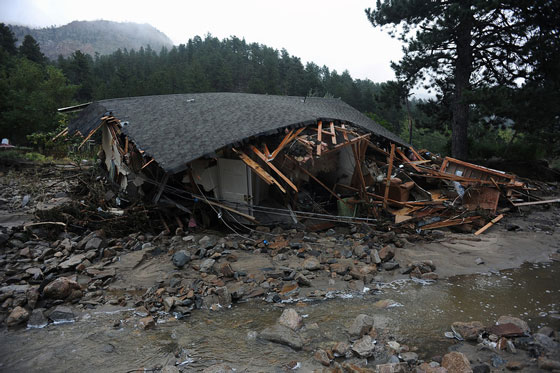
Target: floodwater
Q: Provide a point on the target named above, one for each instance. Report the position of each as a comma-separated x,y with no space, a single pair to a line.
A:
421,316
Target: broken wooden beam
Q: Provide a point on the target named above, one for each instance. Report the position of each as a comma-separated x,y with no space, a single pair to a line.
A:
261,172
389,171
333,133
319,137
491,223
273,167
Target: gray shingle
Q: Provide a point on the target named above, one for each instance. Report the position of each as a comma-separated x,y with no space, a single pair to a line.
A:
176,129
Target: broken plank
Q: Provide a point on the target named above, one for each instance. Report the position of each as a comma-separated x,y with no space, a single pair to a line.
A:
354,140
450,223
333,133
146,165
91,134
418,156
259,170
388,181
406,160
319,136
273,167
491,223
282,144
536,202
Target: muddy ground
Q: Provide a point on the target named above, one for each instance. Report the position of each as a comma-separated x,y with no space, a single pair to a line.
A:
52,274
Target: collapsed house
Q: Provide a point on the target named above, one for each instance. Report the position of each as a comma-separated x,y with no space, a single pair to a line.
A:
262,159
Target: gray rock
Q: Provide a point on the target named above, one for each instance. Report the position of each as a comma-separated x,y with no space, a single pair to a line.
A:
207,242
180,258
61,288
391,265
364,347
37,319
282,335
61,314
546,343
72,262
409,357
206,265
302,280
291,319
224,297
361,325
515,321
393,360
95,243
311,264
17,316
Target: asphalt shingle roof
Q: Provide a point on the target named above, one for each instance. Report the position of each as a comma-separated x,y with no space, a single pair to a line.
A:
176,129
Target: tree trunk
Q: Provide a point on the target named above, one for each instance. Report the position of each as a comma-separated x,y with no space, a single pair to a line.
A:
463,70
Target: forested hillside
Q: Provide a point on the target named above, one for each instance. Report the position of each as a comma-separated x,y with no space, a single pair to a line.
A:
229,65
92,37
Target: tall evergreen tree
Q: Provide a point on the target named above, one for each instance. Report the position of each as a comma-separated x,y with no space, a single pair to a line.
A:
461,46
31,50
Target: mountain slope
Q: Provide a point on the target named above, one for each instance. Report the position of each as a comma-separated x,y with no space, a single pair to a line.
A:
103,37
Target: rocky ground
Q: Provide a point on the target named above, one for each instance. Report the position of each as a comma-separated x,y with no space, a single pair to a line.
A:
50,273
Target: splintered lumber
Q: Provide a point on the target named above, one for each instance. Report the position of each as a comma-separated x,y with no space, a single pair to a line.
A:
405,158
354,140
388,182
64,132
205,200
273,167
261,172
333,132
537,202
450,222
377,148
319,136
313,177
491,223
146,165
91,134
345,132
418,156
287,139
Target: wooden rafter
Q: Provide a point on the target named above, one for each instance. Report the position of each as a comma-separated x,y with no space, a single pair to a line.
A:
319,137
341,145
388,181
313,177
273,167
333,133
91,134
261,172
405,158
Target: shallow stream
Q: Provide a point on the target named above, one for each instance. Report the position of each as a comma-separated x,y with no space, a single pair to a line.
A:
421,316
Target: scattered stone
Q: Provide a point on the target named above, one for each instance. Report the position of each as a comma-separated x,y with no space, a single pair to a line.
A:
61,314
226,270
207,242
375,256
386,253
514,320
431,276
548,364
95,243
206,265
506,330
479,261
146,322
283,335
311,264
468,330
322,357
456,362
409,357
515,365
341,348
389,266
302,280
291,319
392,368
37,319
72,262
62,288
364,347
483,368
497,361
180,258
361,325
17,316
224,297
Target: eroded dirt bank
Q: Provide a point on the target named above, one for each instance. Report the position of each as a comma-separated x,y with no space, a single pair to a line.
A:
131,295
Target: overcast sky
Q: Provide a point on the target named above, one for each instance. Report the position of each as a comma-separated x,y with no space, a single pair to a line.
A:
327,32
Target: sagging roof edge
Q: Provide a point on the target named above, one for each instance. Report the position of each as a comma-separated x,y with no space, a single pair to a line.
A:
102,111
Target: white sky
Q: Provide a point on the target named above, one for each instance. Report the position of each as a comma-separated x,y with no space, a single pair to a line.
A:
328,32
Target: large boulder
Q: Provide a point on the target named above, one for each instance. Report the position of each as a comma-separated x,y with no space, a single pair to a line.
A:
456,362
364,346
17,316
502,320
283,335
361,325
62,288
468,330
291,319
